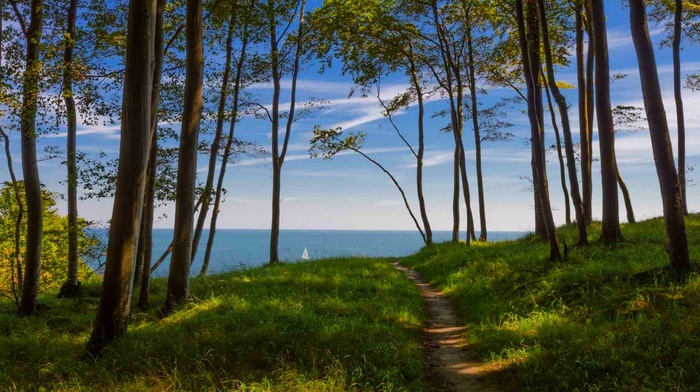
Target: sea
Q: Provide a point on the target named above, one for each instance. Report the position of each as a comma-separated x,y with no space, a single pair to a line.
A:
242,248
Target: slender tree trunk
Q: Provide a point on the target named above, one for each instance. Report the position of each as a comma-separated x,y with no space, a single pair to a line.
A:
566,127
560,156
625,196
146,240
277,156
226,155
590,111
530,49
215,144
180,260
678,95
483,231
32,184
421,149
610,232
455,196
583,116
660,140
16,264
115,299
398,186
16,267
71,285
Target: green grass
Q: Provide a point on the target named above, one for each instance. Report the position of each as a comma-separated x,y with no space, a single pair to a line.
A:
608,318
346,324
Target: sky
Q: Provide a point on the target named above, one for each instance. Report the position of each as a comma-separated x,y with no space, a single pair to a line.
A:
348,192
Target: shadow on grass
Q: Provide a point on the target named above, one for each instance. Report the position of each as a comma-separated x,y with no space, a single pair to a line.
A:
610,318
329,325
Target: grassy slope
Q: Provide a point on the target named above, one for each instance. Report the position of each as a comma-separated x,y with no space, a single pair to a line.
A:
605,319
327,325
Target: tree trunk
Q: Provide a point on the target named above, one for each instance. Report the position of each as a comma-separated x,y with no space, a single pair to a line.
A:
214,154
421,150
587,171
530,48
566,127
455,197
71,285
226,155
16,264
610,232
483,232
583,116
560,156
115,299
277,156
32,184
660,140
625,196
678,95
146,240
180,260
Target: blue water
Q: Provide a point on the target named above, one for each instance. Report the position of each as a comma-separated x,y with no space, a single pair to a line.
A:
235,249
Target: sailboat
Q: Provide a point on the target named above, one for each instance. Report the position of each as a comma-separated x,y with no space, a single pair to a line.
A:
305,255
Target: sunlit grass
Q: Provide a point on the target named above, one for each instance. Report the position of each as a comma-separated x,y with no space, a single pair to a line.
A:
346,324
604,319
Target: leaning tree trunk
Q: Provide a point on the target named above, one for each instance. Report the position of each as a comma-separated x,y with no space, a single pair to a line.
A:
566,127
216,142
226,154
610,232
71,286
529,47
180,260
660,140
483,232
421,149
678,95
115,299
32,184
625,196
455,196
560,156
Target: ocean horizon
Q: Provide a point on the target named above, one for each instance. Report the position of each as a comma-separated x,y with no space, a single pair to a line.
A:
247,248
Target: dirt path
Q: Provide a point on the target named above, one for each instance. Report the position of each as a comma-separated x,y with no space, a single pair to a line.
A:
449,365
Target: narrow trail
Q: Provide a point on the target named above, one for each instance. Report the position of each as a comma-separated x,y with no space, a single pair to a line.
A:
449,364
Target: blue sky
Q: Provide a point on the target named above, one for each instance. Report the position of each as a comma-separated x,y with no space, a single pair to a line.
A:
348,192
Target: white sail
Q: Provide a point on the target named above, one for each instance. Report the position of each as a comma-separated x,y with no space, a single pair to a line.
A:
305,255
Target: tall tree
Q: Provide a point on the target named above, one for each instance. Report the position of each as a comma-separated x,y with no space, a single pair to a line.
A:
560,155
181,258
218,134
584,72
32,185
678,96
671,193
146,238
610,232
530,52
277,67
566,127
71,286
115,299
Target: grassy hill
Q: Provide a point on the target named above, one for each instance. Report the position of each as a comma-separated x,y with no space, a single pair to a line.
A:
604,319
346,324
